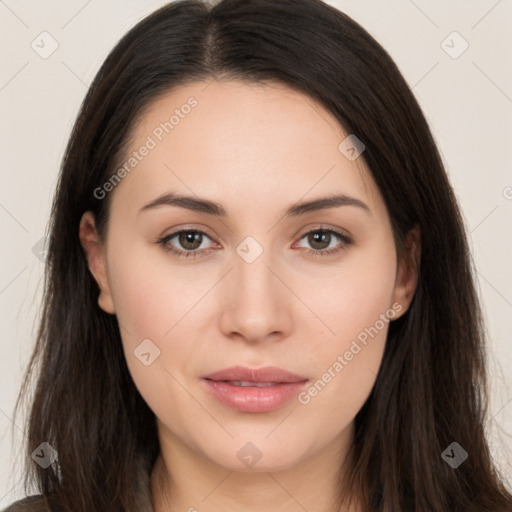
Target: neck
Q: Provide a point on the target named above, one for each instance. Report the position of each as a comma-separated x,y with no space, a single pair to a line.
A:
183,480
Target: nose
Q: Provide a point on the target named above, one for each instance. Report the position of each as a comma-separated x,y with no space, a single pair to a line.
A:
257,303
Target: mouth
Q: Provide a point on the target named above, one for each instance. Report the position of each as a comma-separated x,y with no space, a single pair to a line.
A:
267,374
254,390
244,383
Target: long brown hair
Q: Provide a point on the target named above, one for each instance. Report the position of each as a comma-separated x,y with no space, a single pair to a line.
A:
431,388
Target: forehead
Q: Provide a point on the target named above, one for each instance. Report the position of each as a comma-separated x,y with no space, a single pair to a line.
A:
241,143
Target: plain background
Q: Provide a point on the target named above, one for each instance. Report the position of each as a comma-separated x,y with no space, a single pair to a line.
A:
466,96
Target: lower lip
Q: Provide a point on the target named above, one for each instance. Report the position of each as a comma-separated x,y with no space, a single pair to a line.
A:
251,398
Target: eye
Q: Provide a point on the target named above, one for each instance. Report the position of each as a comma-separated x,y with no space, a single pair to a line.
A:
319,237
191,241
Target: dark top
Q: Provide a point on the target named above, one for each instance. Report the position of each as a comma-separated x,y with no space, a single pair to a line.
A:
36,503
39,503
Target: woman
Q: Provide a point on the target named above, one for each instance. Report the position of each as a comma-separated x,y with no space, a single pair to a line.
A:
251,371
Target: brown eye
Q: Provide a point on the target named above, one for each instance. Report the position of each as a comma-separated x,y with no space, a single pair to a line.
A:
318,239
188,243
190,240
321,239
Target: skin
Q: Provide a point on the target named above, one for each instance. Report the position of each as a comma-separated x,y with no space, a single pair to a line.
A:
256,149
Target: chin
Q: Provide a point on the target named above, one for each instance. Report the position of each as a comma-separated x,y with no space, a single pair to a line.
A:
253,457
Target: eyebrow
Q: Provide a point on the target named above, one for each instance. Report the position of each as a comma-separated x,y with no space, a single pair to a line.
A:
213,208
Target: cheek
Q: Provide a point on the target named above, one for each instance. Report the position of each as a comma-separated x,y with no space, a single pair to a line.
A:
351,297
151,294
155,301
356,307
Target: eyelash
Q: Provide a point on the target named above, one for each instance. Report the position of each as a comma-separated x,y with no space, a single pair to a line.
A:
168,248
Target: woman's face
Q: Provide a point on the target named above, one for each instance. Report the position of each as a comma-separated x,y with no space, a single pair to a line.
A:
251,292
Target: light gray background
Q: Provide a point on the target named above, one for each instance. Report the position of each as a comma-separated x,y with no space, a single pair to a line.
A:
467,100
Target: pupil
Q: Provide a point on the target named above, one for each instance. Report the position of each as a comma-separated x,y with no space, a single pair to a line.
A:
190,237
318,236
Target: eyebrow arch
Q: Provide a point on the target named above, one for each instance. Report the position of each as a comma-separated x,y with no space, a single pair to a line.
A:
209,207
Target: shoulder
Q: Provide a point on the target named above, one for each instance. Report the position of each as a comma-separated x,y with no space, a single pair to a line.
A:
36,503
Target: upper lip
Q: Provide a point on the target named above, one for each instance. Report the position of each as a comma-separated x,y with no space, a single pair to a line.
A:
265,374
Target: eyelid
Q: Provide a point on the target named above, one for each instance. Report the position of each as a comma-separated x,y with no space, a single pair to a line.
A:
321,227
175,230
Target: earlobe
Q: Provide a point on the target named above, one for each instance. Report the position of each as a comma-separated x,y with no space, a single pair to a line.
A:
408,268
94,251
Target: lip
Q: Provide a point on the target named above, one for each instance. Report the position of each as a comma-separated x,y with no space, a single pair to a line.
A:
265,374
251,398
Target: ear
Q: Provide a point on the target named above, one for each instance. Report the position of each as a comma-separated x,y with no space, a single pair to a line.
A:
95,254
407,272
